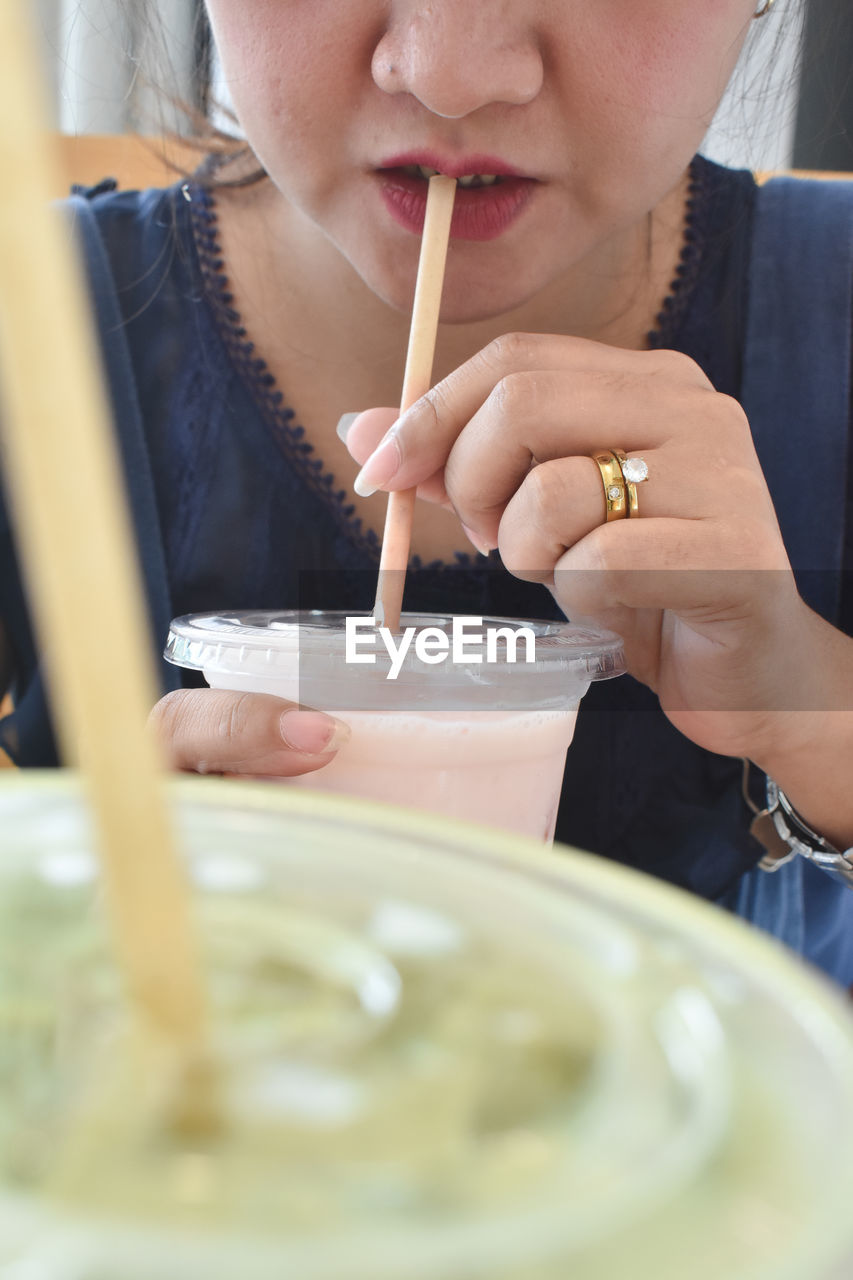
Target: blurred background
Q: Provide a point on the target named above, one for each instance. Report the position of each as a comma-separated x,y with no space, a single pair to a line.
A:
103,58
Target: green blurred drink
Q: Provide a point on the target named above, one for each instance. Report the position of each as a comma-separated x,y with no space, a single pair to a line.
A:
439,1053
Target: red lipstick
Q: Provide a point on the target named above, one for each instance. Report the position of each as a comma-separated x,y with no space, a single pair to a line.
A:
480,211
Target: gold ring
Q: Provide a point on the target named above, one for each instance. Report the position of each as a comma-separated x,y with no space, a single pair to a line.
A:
634,472
615,496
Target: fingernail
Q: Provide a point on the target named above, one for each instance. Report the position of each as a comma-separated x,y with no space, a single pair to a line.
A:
380,468
313,732
344,423
481,544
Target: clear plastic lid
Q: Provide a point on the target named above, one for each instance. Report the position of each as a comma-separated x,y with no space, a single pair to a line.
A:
335,659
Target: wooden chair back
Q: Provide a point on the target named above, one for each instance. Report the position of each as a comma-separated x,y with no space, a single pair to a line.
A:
134,161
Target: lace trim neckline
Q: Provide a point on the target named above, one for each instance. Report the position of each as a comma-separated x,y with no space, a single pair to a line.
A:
674,307
281,418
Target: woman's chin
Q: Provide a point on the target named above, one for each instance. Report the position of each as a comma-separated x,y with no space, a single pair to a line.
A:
465,299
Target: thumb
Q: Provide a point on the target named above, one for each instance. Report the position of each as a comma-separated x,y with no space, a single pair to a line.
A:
257,734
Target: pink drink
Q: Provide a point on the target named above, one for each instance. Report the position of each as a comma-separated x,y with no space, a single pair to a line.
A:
501,768
480,740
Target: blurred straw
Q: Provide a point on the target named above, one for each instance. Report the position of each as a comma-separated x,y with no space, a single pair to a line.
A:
63,479
417,379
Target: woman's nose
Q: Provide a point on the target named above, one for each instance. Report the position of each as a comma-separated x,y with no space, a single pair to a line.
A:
456,56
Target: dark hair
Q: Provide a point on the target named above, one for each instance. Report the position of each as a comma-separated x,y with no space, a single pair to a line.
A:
184,108
757,105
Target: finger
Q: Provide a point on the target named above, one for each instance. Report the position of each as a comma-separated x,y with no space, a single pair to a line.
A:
367,429
721,592
219,731
666,563
557,504
365,432
419,442
561,502
700,441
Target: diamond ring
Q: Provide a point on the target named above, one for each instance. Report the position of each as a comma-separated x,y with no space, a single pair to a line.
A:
634,472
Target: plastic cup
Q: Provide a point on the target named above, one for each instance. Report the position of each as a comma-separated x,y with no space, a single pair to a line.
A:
443,1053
483,741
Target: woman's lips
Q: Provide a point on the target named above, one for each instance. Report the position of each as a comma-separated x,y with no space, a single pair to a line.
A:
479,213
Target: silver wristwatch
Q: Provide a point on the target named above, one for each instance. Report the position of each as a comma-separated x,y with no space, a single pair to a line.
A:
797,839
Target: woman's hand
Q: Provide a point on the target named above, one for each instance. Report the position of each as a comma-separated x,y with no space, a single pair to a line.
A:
244,734
699,585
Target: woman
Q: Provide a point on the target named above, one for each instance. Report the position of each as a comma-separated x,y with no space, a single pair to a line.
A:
244,308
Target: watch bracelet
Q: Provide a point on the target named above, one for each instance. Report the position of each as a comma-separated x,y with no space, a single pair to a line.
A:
802,840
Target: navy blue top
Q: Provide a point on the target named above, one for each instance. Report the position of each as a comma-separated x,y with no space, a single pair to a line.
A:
242,513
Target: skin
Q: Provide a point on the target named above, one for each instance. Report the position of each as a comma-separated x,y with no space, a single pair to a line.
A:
540,360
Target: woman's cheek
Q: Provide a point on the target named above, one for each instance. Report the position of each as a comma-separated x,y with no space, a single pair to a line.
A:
666,66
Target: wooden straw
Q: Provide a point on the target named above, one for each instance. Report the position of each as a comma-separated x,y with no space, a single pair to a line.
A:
397,535
64,480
